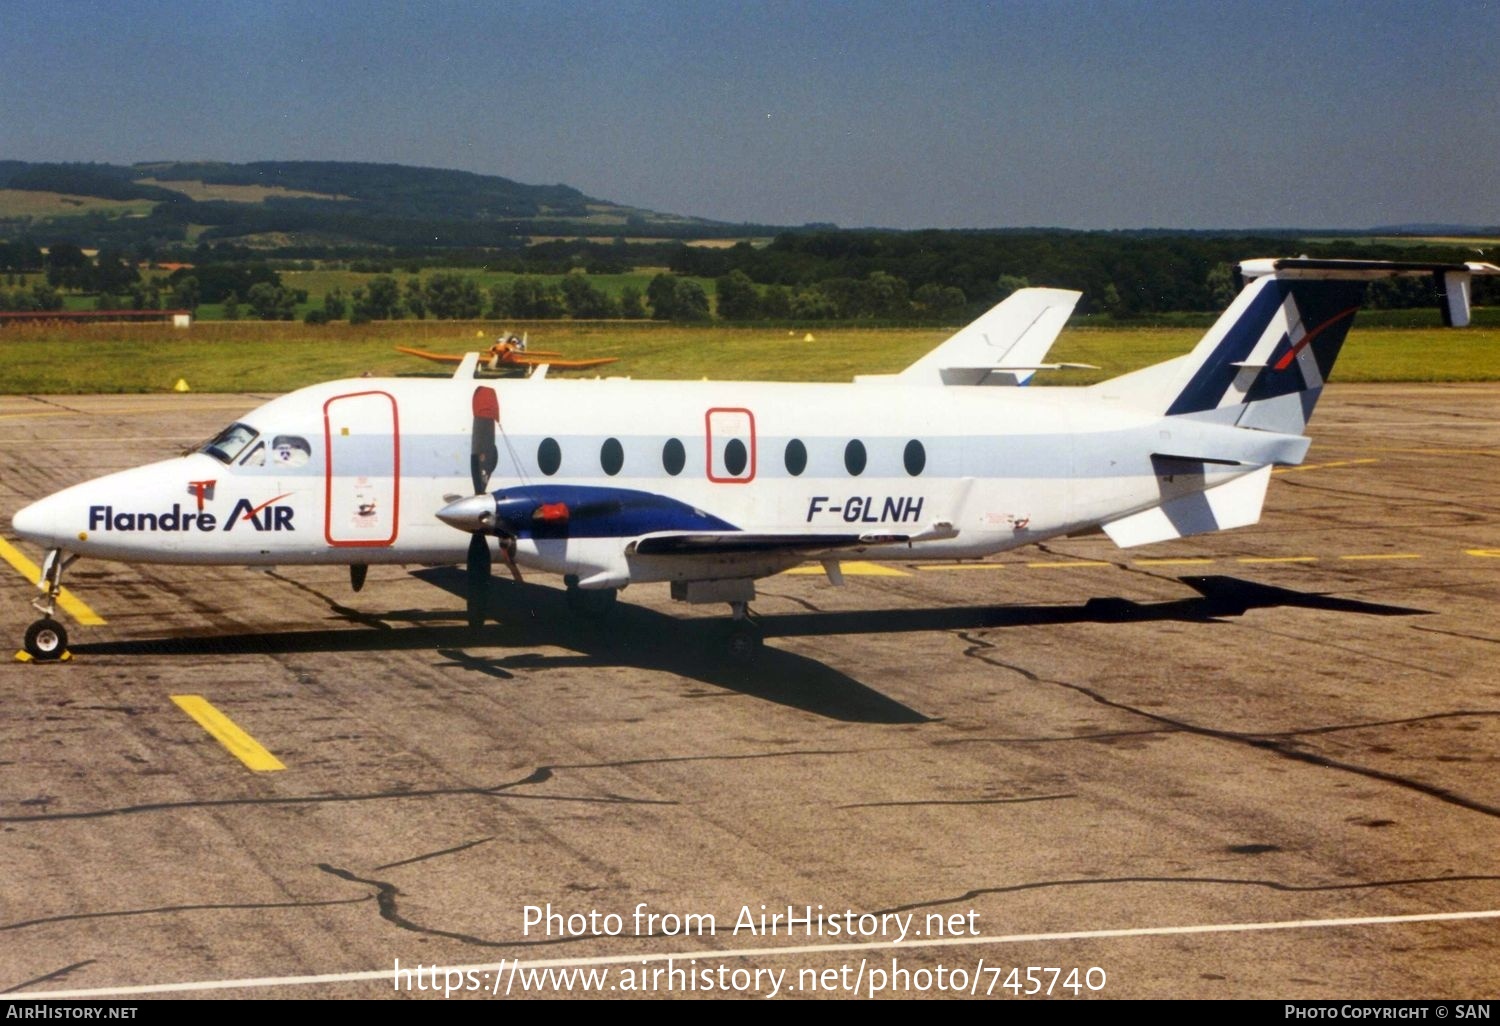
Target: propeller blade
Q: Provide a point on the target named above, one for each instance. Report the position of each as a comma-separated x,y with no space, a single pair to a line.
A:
478,579
483,456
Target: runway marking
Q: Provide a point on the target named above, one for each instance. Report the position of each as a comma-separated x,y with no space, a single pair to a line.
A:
1171,562
1324,466
965,566
1386,555
1484,553
387,976
71,604
1277,559
1069,563
856,568
225,731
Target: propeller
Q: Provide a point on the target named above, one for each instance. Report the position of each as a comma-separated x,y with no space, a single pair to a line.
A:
478,570
483,458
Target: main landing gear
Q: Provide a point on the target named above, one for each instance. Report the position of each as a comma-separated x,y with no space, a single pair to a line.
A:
744,640
740,638
46,639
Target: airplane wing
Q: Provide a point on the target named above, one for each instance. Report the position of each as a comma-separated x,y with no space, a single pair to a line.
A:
702,543
1003,347
437,357
535,359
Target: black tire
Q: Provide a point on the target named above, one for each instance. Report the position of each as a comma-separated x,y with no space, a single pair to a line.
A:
592,604
743,642
46,640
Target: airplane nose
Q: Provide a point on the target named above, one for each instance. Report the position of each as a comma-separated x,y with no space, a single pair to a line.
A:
35,524
475,513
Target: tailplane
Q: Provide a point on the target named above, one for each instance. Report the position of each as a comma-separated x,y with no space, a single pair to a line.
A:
1264,362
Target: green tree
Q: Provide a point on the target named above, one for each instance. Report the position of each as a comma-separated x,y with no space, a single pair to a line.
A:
185,294
232,307
692,302
584,300
416,301
380,300
1008,283
335,307
661,293
453,297
739,300
67,266
632,303
272,302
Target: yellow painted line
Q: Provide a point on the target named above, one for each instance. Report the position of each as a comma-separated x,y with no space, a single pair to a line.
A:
1169,562
1277,559
72,604
1322,466
1484,553
857,568
965,566
1387,555
1080,562
224,730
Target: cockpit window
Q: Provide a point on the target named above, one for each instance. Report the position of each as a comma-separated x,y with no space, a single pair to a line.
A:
257,457
290,451
230,442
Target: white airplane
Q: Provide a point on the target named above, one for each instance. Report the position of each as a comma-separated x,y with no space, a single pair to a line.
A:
711,485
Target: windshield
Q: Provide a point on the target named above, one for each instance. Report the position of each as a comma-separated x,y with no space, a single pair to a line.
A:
230,442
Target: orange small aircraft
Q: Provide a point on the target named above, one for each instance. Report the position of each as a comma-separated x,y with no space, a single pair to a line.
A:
511,351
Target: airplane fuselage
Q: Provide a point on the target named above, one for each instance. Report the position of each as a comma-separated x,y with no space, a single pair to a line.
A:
354,471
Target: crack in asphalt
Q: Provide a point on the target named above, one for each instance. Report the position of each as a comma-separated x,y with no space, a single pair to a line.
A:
1219,881
960,801
436,854
1264,742
255,906
540,775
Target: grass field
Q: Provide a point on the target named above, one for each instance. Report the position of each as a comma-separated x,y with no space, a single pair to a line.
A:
205,191
250,356
28,203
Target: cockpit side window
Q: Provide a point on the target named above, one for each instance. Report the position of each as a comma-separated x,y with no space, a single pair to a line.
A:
290,451
230,442
257,457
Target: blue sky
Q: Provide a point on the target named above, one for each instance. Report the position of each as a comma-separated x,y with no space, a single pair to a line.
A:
920,114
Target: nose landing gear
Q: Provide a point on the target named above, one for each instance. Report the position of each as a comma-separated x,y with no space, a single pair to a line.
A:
46,639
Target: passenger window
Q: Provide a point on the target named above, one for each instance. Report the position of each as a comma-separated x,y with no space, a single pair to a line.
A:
611,456
549,456
673,457
854,457
796,457
735,457
915,457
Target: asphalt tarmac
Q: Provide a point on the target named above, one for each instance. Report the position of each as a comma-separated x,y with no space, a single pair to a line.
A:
1261,763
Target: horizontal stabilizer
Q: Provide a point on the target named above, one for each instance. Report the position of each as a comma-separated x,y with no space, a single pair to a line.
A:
1235,503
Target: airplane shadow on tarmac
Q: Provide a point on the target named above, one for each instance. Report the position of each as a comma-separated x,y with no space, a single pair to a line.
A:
530,615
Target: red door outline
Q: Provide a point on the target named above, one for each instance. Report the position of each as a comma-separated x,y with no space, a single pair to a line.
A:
708,429
361,543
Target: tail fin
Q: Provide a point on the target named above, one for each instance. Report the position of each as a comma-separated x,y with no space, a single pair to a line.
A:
1263,363
1005,346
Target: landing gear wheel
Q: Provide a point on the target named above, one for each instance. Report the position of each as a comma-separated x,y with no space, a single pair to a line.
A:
46,640
743,642
592,604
